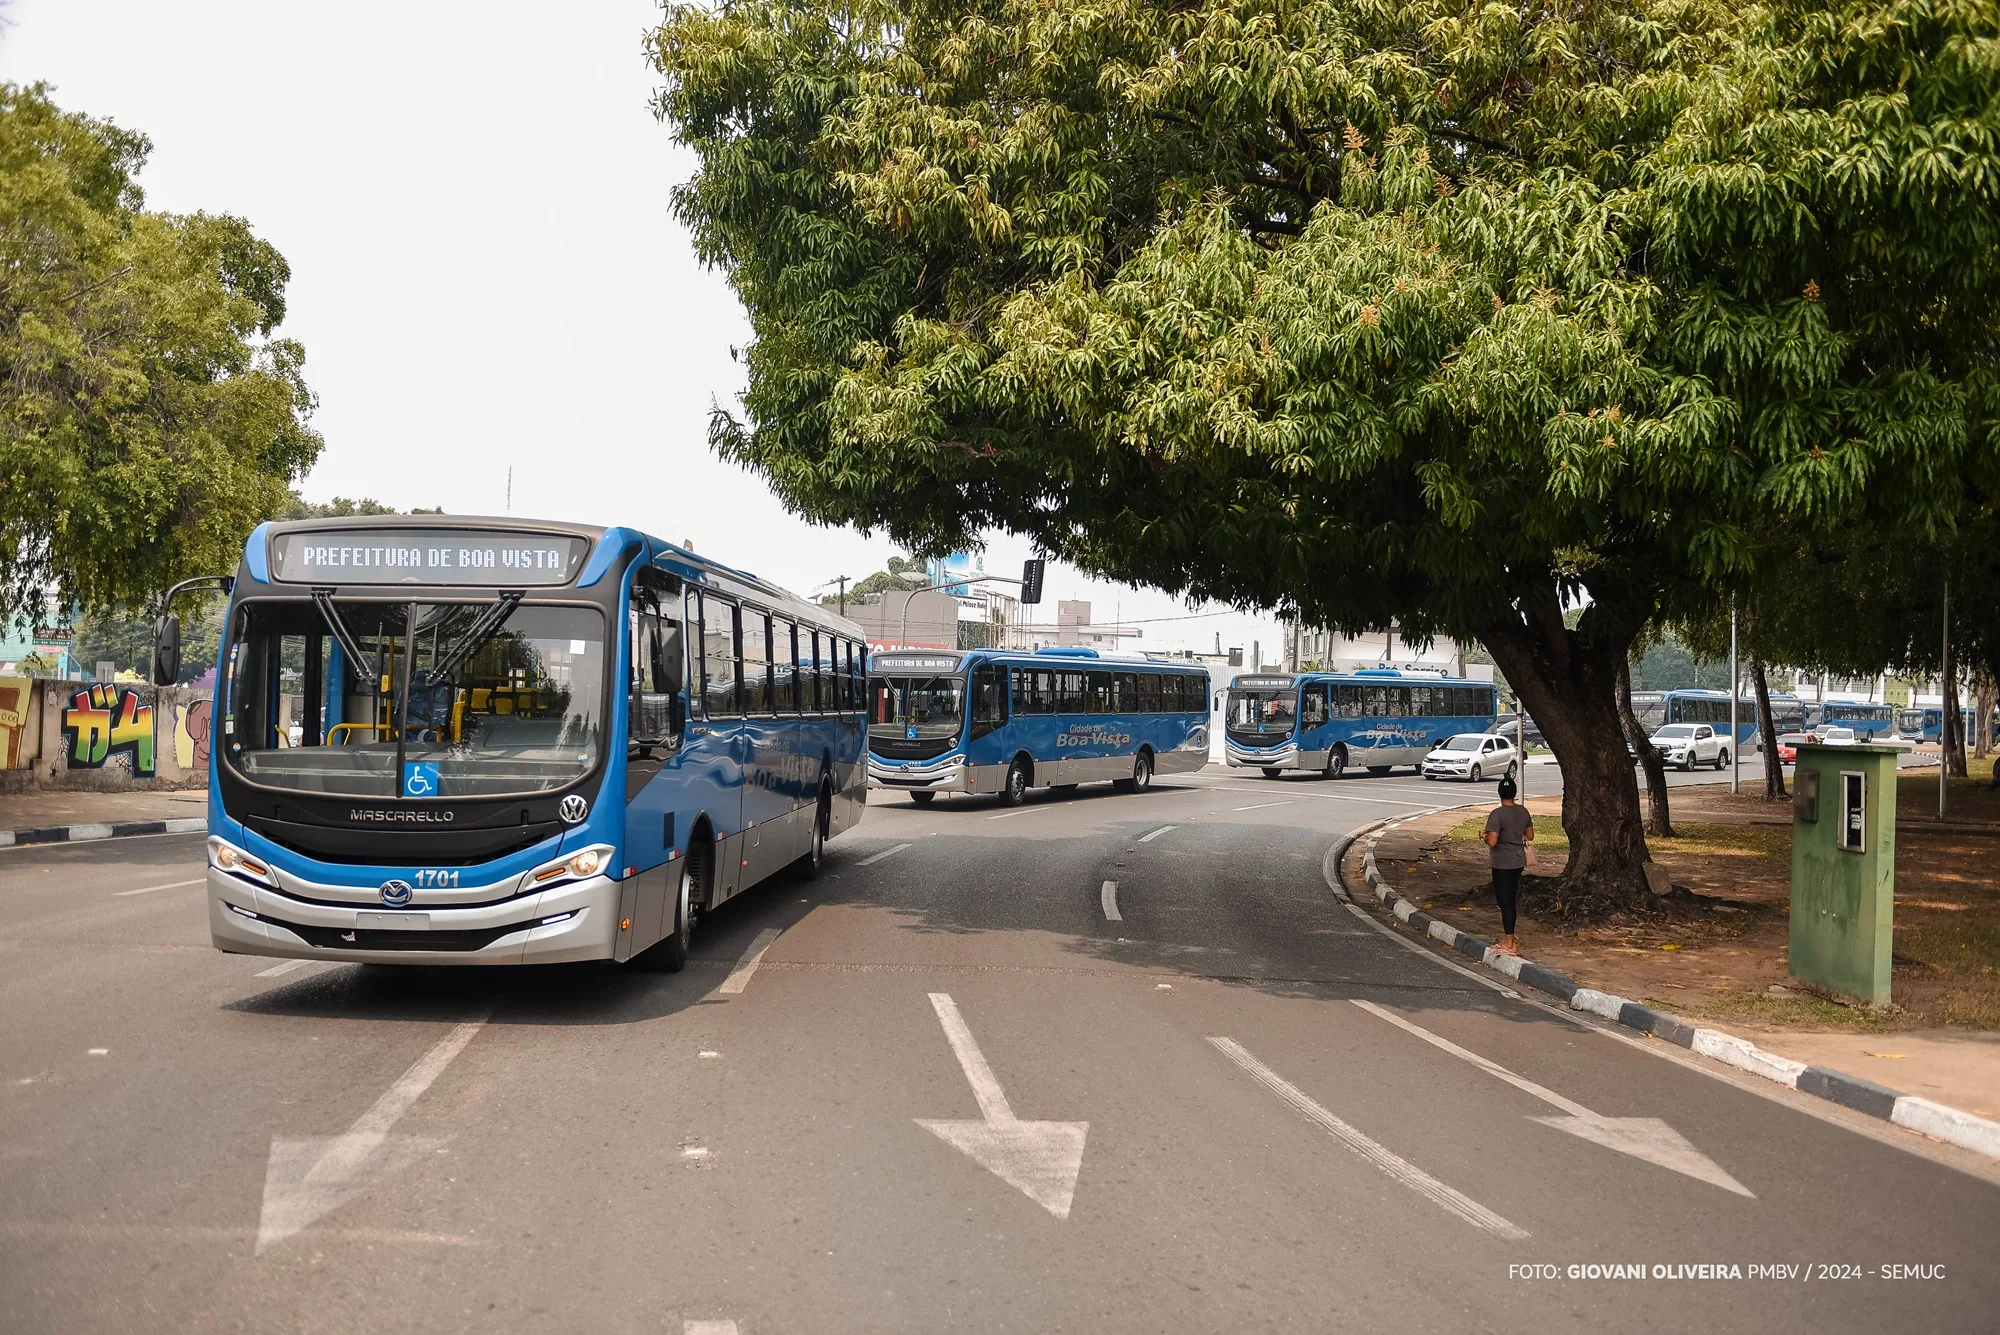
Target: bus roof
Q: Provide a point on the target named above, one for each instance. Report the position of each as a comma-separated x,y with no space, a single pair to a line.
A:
606,546
1358,677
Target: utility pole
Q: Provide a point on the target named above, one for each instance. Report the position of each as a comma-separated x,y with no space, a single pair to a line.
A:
1735,691
842,581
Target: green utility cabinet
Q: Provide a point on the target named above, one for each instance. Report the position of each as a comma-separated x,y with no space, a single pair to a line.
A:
1844,869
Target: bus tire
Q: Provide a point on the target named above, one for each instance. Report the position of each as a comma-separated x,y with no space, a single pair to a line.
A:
814,857
922,799
1016,791
1336,762
1272,771
1142,775
670,953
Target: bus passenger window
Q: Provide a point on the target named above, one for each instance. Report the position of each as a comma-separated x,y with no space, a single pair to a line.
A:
1420,701
1098,698
1069,693
756,662
809,670
1312,706
1374,702
850,684
718,657
1149,692
784,667
1124,692
989,699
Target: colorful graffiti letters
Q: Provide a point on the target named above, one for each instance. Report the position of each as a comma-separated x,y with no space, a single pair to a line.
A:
102,721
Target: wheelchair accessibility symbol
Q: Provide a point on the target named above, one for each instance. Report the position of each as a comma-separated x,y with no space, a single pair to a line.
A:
420,778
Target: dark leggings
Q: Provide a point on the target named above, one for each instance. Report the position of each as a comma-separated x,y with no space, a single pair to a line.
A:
1507,889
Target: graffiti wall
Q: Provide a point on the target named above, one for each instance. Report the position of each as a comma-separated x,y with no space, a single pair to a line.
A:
106,735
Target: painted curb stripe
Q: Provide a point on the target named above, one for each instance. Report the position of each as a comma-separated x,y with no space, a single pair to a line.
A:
1952,1125
78,834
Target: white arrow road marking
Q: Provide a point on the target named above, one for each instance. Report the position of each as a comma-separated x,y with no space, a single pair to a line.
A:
1646,1138
885,853
1384,1158
1041,1158
739,977
149,889
309,1176
1108,896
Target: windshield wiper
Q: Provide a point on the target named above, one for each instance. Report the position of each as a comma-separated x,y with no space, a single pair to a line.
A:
323,599
485,628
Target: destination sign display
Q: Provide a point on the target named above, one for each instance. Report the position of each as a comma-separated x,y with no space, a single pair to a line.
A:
912,662
1262,683
427,556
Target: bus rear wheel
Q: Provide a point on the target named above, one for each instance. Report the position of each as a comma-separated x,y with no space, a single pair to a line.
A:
922,799
814,857
1142,775
1016,791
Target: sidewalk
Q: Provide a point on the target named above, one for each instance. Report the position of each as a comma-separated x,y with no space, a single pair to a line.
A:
45,811
1720,959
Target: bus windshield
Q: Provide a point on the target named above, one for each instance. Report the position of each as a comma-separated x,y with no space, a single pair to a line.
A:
1265,711
491,698
915,709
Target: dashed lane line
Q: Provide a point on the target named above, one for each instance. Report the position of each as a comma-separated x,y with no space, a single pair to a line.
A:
1384,1158
708,1328
149,889
1149,838
739,977
280,970
885,853
1108,896
1259,806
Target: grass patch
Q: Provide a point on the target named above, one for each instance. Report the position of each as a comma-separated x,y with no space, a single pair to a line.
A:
1798,1011
1703,839
1970,799
1549,835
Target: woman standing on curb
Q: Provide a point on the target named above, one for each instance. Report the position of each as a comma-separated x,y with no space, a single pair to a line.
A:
1509,831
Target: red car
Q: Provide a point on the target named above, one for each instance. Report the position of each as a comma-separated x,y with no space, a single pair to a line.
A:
1789,743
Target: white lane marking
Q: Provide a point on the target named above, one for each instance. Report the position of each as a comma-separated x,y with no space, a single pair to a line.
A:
1397,1167
1041,1159
280,970
1005,814
1149,838
1646,1138
1259,806
885,853
149,889
708,1328
1108,896
739,977
100,1052
306,1178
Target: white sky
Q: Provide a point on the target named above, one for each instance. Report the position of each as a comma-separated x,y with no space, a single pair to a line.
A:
485,273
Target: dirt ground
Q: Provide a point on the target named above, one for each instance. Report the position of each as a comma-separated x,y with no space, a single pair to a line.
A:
1721,957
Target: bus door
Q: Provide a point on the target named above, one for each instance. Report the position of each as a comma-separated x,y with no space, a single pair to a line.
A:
714,757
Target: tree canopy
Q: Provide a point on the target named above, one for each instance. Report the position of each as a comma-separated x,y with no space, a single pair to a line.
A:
1439,312
148,416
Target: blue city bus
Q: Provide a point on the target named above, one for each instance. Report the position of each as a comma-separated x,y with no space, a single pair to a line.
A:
1328,722
1868,720
1925,723
1005,721
442,740
1656,709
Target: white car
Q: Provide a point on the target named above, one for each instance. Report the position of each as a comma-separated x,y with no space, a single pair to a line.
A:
1691,744
1472,756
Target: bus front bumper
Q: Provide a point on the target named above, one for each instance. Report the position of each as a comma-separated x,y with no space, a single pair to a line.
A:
577,920
1275,757
948,775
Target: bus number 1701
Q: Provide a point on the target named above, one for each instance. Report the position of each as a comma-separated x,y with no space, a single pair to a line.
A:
436,879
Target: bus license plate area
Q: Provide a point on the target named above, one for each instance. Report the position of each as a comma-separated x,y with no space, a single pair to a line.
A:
393,922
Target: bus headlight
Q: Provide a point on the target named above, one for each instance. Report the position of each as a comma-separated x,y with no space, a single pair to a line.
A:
229,858
584,862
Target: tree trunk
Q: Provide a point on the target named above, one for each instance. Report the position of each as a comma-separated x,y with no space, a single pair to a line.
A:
1951,740
1568,682
1767,728
1658,819
1982,714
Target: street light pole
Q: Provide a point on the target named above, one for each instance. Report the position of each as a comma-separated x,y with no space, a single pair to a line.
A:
1735,745
1944,709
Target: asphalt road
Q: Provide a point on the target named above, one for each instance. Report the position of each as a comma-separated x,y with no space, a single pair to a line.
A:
953,1093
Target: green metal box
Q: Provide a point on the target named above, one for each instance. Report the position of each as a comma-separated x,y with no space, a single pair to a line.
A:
1844,869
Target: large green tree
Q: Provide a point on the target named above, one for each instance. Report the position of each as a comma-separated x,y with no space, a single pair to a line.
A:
1445,312
148,417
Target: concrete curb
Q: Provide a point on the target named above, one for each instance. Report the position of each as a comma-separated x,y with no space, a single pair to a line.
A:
1952,1125
77,834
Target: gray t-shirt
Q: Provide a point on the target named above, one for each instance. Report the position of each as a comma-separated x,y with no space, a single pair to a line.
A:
1512,824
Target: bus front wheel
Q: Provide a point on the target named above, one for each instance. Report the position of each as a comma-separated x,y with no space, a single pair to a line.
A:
670,953
1336,762
922,799
1272,771
1016,791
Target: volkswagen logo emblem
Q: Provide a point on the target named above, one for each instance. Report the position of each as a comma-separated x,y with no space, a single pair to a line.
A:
574,808
397,894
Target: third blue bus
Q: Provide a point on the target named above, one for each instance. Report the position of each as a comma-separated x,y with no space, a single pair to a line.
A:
1329,722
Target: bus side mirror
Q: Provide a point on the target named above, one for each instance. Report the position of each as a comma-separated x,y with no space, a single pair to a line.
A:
167,650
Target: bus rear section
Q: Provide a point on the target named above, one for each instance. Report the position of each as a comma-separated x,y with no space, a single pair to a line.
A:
448,742
1004,723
